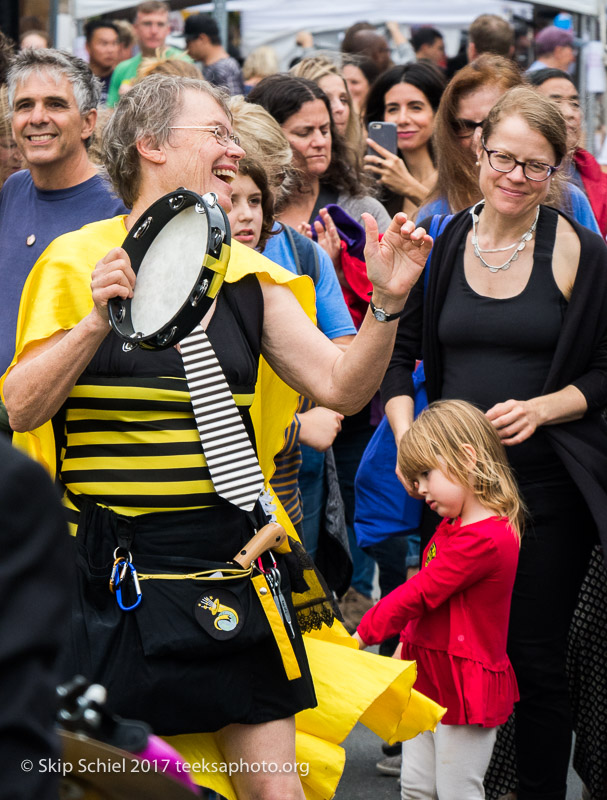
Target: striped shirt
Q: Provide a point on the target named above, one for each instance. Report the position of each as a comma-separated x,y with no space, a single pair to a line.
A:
131,444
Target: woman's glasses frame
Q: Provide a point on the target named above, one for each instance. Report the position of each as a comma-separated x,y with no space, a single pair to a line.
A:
509,163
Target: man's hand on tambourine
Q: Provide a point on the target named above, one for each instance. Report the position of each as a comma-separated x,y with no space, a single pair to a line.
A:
395,263
112,277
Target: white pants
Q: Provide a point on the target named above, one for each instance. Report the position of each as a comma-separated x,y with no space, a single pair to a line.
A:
449,764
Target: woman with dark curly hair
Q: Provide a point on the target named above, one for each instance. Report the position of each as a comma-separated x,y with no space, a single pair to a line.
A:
407,95
303,111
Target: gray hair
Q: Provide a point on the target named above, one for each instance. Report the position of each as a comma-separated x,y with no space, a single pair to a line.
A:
147,110
59,64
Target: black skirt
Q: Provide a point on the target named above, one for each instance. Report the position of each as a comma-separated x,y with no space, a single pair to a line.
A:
156,661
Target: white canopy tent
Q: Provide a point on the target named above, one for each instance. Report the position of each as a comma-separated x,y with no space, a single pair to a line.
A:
295,14
276,22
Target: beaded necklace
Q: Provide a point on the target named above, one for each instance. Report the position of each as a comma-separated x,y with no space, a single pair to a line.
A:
519,245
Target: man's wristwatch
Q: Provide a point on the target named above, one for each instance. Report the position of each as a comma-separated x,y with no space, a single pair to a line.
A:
381,315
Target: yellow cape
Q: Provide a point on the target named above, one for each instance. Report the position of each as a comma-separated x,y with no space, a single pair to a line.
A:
350,685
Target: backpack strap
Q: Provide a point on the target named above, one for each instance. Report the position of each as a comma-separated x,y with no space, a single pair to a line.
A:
327,195
437,226
304,253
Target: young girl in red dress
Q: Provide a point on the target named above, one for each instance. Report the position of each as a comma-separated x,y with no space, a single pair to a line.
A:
453,615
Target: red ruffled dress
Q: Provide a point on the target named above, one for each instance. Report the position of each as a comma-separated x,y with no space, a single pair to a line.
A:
453,616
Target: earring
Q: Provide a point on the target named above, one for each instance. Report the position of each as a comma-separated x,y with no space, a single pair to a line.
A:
478,163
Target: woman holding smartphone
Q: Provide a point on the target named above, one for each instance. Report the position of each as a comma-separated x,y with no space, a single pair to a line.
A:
408,96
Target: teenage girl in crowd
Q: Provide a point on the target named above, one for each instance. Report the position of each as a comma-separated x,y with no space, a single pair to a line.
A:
408,96
453,457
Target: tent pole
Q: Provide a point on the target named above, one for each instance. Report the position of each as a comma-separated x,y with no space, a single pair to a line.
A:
220,14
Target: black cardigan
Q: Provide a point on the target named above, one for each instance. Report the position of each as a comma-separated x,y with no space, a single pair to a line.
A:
580,357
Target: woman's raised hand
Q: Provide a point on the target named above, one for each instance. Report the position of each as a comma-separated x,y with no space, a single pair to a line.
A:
395,263
113,276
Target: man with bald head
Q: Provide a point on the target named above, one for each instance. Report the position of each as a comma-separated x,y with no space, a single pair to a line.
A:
365,41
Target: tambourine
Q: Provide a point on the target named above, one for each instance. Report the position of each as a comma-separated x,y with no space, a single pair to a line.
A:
179,250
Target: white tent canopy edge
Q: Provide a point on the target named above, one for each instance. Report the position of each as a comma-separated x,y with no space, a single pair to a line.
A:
312,13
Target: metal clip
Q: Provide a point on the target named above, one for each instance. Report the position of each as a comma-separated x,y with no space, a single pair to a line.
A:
119,573
274,579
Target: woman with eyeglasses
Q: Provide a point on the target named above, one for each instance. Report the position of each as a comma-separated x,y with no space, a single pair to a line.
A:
145,489
587,647
464,106
408,96
514,320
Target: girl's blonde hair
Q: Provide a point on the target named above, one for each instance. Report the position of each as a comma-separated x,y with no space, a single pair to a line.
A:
436,440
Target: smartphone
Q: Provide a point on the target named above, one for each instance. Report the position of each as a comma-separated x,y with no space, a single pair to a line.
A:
384,133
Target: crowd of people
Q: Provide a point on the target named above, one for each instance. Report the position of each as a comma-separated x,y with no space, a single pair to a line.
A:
390,210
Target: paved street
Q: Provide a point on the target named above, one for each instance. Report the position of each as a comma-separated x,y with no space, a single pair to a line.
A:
361,781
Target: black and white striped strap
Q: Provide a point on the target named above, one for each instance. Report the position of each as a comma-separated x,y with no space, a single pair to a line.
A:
229,454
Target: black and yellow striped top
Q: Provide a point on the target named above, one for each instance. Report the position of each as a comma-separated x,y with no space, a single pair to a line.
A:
130,440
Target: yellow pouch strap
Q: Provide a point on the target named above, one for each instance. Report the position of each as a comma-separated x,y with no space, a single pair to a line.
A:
289,659
211,575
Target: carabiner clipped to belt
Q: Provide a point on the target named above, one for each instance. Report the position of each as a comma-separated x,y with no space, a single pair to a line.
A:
122,569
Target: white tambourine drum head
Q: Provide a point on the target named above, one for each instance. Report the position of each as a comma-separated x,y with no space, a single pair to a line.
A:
179,250
168,272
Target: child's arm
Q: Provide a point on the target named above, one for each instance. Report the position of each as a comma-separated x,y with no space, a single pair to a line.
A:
461,560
